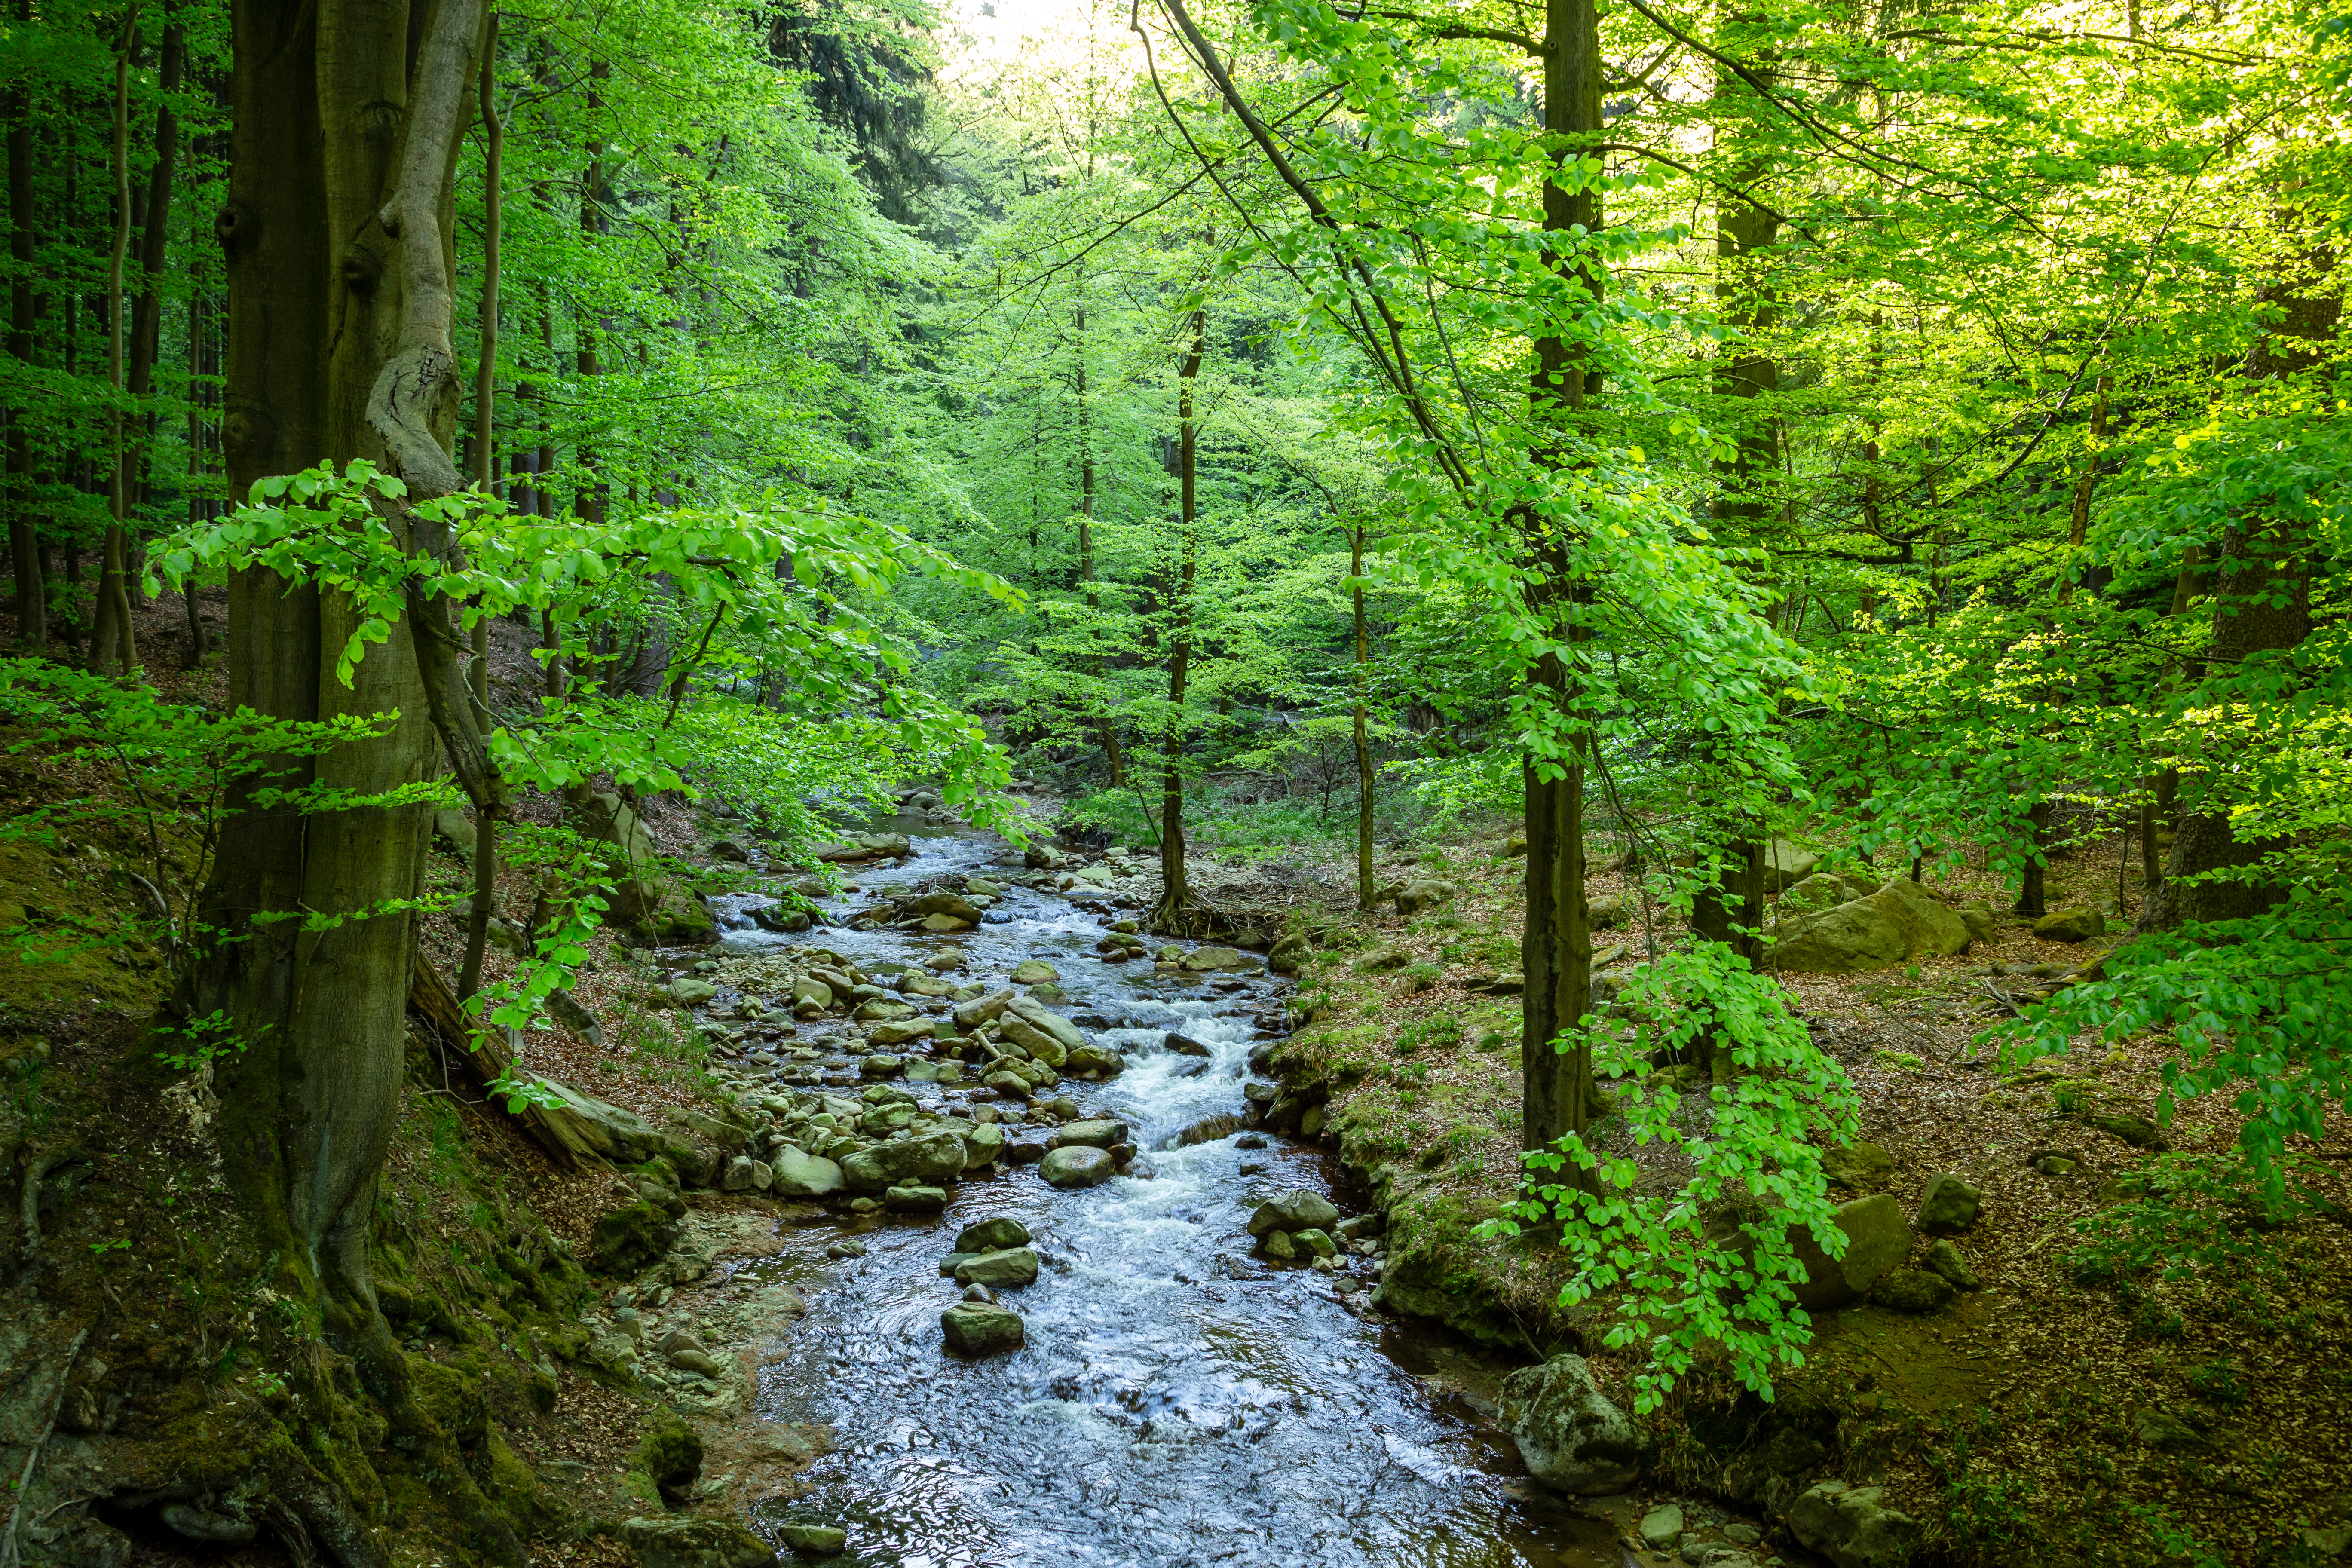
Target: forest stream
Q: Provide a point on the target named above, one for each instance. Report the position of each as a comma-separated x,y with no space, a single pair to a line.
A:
1176,1400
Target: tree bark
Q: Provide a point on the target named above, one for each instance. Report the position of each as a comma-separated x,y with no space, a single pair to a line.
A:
115,646
485,466
1175,896
1556,944
325,301
1360,725
23,531
2031,899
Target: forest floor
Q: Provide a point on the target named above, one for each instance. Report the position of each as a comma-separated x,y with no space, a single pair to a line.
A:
2065,1411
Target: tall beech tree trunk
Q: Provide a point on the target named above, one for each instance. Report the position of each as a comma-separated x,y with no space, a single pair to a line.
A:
1175,896
2260,585
1106,728
347,115
1556,944
1360,724
486,468
115,646
23,531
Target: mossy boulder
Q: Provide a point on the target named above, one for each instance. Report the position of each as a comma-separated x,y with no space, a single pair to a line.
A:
631,1238
2071,925
671,1455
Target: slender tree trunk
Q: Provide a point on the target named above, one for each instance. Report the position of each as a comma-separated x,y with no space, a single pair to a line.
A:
115,646
485,466
1360,724
1556,944
23,531
1175,896
1106,728
2031,899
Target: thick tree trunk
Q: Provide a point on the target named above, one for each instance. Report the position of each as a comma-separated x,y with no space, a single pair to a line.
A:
2262,604
2260,585
316,293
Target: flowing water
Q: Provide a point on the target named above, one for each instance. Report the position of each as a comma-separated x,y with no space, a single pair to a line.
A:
1177,1402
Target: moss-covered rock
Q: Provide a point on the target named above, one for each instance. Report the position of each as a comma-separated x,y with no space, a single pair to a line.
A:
631,1238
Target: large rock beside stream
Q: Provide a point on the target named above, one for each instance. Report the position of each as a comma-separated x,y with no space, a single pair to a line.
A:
1569,1434
1301,1210
1902,920
933,1158
1852,1526
800,1175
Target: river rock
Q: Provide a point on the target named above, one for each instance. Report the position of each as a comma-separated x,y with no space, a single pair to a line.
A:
980,1329
1878,1237
1039,1016
1001,1231
814,1540
1901,921
689,992
1005,1081
1094,1134
880,1066
695,1543
1295,1211
1035,971
912,1198
800,1175
1381,959
1183,1045
2071,925
1077,1167
816,992
1571,1436
738,1175
932,1158
1006,1270
972,1015
1099,1060
1949,1206
1040,1045
983,1142
1852,1527
1662,1527
1318,1242
1278,1245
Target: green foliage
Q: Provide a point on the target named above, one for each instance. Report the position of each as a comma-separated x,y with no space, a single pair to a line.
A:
1674,1280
